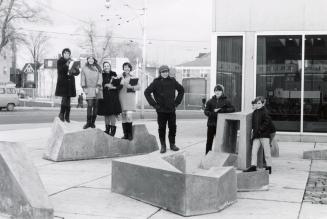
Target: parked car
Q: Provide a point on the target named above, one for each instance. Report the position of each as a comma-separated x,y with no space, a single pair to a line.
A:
8,98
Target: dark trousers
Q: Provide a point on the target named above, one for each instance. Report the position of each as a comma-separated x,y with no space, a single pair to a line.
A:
162,119
211,132
65,101
92,107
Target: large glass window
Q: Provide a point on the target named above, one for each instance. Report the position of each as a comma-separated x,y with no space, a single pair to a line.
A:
278,79
315,84
229,67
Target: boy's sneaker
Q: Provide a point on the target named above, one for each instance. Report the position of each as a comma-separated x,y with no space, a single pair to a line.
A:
269,169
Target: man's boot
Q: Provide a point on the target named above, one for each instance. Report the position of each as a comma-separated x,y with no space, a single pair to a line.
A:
93,121
125,131
113,130
251,169
173,147
107,129
88,122
67,114
130,131
61,114
163,144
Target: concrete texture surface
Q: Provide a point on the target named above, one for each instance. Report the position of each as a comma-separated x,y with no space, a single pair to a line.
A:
175,182
81,189
22,194
68,141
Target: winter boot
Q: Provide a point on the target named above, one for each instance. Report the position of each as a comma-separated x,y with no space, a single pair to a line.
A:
125,129
163,144
173,147
61,114
107,129
269,169
88,122
113,130
251,169
67,114
130,131
93,121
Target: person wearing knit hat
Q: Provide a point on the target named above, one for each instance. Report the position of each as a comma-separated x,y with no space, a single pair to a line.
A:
217,104
165,102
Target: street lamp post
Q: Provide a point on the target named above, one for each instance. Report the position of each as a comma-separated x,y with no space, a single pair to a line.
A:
143,59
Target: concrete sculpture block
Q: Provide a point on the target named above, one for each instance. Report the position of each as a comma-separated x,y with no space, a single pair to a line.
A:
226,136
316,154
22,194
252,181
215,159
68,141
175,183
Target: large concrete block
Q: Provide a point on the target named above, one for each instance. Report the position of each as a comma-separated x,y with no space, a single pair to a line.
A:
216,159
174,183
253,181
68,141
226,136
316,154
22,194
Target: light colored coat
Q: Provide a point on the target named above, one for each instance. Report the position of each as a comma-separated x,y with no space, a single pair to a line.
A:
128,100
91,80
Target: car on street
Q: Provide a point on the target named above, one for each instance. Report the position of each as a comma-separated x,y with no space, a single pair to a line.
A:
8,98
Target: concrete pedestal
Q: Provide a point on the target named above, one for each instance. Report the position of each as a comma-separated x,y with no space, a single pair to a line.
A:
68,141
22,194
226,135
252,181
175,183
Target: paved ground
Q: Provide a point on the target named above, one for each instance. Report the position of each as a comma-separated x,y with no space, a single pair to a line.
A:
81,189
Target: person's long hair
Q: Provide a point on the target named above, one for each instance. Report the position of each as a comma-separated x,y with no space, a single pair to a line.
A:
95,64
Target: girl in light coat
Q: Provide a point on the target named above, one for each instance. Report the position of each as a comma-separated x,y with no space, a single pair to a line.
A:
91,82
127,98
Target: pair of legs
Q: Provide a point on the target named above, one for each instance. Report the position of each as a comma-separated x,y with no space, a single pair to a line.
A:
110,122
163,119
257,142
211,132
127,123
92,110
64,114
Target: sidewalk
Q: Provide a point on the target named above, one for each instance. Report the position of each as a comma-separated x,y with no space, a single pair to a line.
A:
81,189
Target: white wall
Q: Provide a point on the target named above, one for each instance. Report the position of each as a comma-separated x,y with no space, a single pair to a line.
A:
251,16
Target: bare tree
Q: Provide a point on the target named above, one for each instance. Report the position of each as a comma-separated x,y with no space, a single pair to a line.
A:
12,12
130,50
99,46
36,46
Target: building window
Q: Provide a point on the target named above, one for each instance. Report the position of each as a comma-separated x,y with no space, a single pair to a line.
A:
229,67
315,84
278,79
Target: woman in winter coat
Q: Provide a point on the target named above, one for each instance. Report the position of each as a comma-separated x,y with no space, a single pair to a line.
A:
91,82
65,87
217,104
109,106
127,100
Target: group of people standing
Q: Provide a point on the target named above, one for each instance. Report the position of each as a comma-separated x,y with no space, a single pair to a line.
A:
106,94
109,95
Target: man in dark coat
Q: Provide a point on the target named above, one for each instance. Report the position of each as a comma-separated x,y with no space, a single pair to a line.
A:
163,89
66,83
217,104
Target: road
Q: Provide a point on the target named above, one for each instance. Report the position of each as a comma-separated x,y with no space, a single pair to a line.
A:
46,115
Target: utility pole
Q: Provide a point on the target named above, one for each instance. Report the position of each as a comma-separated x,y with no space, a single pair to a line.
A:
143,58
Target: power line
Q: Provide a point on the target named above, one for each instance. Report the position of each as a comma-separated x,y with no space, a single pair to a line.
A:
117,37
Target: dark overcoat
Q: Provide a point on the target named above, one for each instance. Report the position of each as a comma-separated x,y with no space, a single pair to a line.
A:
110,104
66,80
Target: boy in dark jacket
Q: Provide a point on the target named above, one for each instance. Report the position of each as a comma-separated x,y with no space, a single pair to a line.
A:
261,130
217,104
163,89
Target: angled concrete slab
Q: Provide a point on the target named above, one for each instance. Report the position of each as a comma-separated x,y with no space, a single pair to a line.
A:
68,141
22,194
253,181
175,183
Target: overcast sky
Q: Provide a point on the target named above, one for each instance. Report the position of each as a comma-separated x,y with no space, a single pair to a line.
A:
177,30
